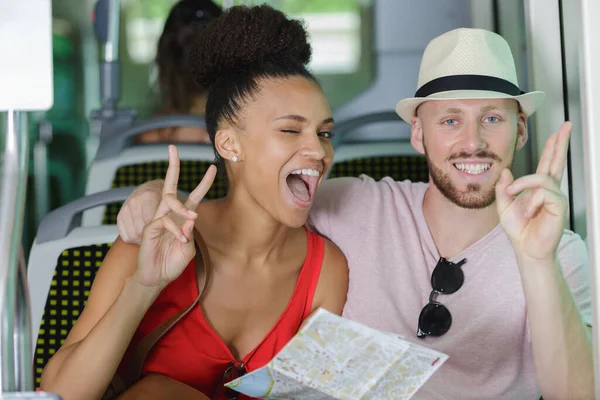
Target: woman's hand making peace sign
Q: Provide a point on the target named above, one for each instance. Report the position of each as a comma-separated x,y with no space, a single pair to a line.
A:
166,248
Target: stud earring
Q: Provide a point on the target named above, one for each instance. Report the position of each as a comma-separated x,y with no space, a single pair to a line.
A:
234,159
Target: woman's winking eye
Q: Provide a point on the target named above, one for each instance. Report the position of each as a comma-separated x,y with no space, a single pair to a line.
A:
323,134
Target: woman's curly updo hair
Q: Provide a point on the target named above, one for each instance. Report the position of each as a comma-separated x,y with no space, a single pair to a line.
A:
177,87
234,52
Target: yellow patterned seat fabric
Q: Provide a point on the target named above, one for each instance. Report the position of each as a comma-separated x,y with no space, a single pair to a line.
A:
399,168
69,290
190,174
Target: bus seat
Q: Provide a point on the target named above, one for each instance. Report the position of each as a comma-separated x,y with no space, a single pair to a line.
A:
62,265
378,159
119,163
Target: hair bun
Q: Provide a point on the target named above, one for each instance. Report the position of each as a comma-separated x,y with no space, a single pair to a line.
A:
244,36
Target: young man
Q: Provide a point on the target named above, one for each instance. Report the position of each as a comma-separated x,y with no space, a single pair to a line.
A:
474,264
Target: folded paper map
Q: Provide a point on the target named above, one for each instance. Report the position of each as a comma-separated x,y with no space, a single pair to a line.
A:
334,358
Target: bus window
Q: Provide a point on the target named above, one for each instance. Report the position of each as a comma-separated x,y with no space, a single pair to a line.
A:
341,38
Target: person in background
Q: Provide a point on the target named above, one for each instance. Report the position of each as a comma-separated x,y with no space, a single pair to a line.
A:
179,92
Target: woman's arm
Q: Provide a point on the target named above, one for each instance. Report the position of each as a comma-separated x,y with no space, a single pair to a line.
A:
156,386
332,287
85,364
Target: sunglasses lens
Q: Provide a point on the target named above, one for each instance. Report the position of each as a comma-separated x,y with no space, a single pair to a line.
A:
447,278
231,374
435,320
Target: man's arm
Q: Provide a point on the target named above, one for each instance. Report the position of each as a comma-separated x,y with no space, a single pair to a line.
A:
332,201
532,212
560,338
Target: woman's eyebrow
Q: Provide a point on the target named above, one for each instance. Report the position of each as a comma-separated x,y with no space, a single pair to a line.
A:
300,118
293,117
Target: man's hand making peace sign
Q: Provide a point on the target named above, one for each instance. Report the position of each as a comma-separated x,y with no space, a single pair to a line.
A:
532,208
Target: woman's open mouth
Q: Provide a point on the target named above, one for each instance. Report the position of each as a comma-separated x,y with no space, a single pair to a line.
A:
302,184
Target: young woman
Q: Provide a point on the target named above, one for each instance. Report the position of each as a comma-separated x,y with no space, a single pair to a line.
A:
260,273
179,93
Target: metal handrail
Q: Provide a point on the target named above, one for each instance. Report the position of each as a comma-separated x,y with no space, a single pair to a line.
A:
15,346
343,128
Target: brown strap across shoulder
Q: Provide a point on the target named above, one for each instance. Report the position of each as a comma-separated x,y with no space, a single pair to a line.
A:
134,370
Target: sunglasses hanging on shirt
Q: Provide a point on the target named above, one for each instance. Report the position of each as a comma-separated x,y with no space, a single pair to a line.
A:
232,372
435,319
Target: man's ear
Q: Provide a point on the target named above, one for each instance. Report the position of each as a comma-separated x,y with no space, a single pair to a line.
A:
416,134
228,145
522,134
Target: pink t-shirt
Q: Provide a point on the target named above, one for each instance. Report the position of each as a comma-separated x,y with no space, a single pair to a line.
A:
391,254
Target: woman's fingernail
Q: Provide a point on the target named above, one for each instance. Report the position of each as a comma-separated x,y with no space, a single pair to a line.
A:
183,239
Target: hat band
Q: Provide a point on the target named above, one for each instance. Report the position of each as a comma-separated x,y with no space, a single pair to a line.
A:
468,82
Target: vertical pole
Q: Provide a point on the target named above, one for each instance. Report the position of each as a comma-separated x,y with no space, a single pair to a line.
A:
12,198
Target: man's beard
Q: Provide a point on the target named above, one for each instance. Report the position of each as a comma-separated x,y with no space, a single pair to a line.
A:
474,196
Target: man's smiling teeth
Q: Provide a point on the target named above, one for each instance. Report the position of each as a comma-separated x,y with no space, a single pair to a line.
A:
309,172
473,168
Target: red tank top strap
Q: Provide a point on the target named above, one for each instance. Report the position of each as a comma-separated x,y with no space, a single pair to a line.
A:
312,267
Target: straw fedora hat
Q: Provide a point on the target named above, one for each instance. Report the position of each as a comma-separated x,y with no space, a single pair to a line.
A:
468,63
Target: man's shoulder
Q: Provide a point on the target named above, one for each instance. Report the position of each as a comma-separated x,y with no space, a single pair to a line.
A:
366,188
571,244
341,202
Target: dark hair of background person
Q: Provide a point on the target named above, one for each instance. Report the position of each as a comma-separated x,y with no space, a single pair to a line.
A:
178,89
